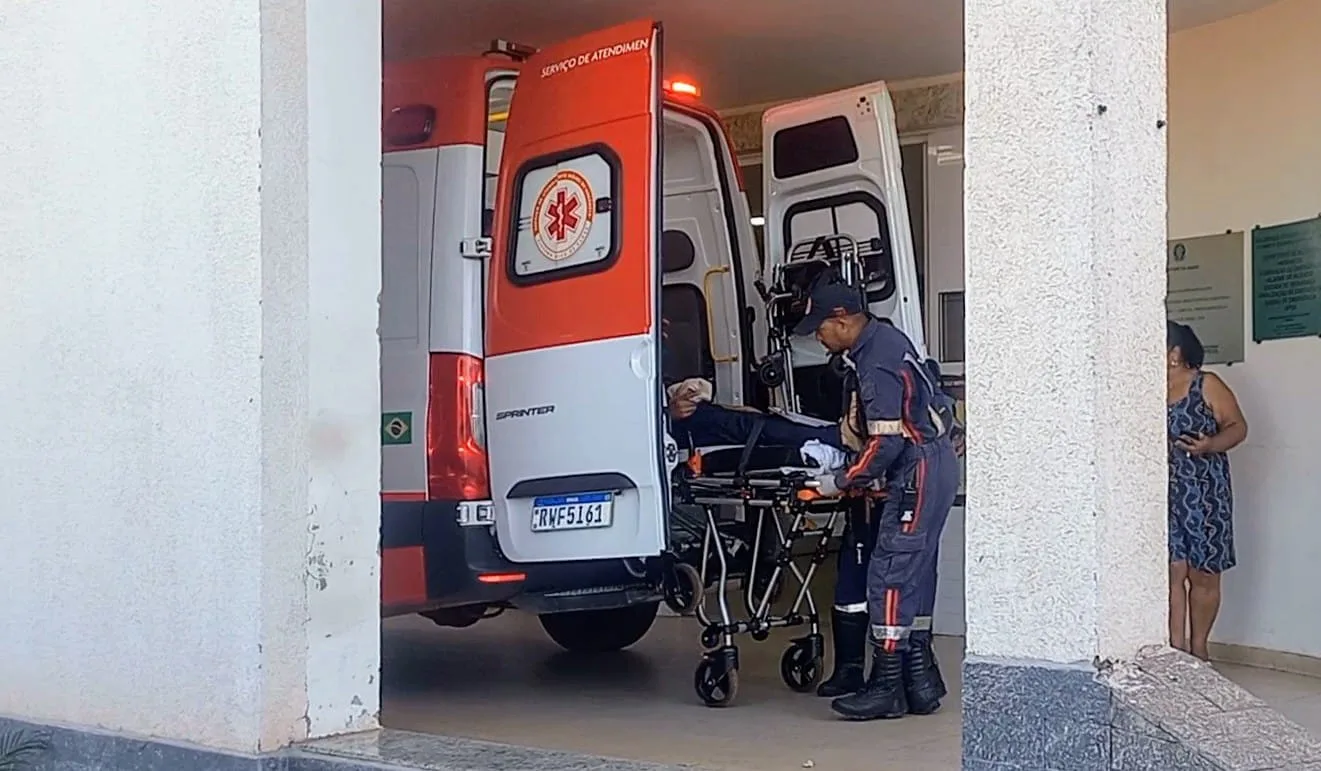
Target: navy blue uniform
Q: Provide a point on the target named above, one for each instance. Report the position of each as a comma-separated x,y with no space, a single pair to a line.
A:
855,555
908,448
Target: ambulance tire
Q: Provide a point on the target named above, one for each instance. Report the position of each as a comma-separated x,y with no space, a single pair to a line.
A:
600,631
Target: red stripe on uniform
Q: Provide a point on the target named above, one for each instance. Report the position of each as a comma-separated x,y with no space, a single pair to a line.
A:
891,618
908,405
865,459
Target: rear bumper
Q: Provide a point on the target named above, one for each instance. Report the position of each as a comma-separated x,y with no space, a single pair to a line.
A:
429,562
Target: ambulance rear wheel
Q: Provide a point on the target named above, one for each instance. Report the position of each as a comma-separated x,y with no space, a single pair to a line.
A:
600,631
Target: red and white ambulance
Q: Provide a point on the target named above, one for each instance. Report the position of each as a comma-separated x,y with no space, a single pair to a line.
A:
541,212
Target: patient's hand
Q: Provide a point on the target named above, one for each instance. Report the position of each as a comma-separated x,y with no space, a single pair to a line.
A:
682,408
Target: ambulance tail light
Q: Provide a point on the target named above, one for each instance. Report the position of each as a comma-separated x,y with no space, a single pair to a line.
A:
409,125
456,429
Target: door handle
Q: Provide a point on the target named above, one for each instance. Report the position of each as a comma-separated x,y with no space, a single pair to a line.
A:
643,360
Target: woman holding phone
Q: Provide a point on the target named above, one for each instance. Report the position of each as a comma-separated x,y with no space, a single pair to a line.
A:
1205,423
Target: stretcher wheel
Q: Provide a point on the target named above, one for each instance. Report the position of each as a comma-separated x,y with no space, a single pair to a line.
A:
716,684
684,589
771,372
800,668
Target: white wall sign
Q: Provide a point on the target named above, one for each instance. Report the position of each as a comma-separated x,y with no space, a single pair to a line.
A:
1206,292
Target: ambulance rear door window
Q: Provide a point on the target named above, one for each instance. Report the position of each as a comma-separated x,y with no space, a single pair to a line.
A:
566,220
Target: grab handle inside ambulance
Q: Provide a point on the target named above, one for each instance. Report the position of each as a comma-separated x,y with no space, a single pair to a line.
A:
710,316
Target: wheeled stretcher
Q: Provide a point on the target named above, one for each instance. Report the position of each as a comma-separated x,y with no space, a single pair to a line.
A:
781,526
785,532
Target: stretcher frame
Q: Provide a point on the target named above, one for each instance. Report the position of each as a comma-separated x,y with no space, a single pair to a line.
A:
771,496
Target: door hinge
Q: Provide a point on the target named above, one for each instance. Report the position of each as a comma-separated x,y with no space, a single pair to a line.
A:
475,248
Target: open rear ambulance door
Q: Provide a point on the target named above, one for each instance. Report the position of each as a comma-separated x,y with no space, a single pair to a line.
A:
573,397
832,167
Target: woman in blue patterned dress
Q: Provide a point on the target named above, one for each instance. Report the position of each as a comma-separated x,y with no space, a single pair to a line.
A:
1205,423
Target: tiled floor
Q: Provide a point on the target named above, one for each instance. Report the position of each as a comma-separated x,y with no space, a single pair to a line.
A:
1297,698
504,681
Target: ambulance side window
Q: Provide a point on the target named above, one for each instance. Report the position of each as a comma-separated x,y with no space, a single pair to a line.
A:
565,217
499,93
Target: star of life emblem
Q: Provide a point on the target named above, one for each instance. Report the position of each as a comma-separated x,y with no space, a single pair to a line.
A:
562,215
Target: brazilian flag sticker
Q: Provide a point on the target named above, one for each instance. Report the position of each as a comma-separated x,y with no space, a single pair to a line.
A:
397,428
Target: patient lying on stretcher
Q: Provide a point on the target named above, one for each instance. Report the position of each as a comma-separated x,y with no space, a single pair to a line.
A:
698,422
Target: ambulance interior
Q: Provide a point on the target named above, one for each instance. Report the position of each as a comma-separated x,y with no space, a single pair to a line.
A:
712,259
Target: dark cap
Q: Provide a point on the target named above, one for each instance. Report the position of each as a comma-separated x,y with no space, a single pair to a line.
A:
829,301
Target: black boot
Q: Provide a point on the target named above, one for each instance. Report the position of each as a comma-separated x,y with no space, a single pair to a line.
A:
882,698
923,685
850,642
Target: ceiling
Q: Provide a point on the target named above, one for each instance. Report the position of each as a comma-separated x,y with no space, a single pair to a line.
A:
741,51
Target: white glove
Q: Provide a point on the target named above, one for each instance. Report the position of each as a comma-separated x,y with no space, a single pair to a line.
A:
826,485
827,458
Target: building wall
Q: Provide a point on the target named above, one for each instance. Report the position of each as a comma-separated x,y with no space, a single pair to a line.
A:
189,461
1245,119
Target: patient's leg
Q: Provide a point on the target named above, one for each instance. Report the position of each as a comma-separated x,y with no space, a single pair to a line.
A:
713,425
782,431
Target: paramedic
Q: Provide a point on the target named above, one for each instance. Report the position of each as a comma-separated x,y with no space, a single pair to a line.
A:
697,422
848,616
897,406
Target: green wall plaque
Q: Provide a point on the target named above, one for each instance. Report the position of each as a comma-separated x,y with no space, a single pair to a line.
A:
1286,281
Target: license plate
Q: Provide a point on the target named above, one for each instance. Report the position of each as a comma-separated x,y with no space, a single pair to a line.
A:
573,512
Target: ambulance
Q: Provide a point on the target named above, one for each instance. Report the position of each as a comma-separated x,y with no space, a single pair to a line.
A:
542,211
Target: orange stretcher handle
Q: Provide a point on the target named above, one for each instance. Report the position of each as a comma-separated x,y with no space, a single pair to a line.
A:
809,495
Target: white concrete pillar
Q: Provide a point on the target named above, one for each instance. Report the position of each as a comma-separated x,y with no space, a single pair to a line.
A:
1064,208
189,452
1065,257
